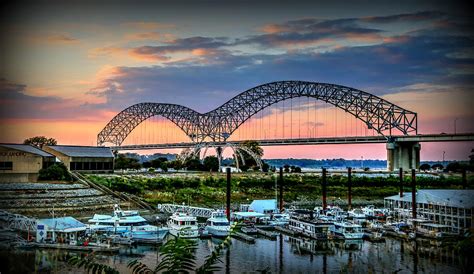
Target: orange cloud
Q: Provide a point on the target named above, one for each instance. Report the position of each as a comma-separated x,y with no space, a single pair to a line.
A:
274,28
156,36
149,25
54,39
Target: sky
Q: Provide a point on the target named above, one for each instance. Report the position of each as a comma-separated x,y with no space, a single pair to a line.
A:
68,67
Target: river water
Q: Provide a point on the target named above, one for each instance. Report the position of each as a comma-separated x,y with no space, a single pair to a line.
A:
285,255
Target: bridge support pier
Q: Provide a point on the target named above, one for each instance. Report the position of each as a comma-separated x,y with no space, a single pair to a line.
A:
219,157
404,155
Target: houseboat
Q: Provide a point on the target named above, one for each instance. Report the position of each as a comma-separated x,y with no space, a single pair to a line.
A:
437,231
183,225
347,230
311,228
218,225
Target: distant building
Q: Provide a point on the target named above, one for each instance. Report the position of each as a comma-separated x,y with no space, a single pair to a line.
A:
452,207
264,206
84,158
21,163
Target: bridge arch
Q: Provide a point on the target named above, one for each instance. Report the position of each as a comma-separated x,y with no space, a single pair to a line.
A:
218,125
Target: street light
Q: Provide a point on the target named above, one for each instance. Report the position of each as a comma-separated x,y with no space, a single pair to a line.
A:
444,152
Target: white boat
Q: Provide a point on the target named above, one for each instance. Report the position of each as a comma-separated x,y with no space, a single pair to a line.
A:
183,225
347,230
217,225
128,223
357,215
279,219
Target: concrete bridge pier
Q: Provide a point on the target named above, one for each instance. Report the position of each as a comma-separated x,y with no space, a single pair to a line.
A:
219,157
404,155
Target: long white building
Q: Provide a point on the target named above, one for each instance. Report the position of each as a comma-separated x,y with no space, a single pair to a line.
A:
452,207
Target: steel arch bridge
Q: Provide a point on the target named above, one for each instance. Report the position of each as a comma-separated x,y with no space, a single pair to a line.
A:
218,125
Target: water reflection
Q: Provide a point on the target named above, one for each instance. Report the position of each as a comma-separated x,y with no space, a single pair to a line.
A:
285,255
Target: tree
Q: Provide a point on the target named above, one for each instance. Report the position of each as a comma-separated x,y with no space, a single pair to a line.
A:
57,171
123,162
425,167
437,167
211,163
164,166
40,141
193,164
453,166
265,167
286,168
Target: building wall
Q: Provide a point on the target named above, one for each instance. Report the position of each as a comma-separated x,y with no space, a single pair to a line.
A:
25,166
66,160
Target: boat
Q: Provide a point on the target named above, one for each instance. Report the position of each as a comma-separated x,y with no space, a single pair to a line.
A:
127,223
436,231
312,228
279,219
357,215
120,239
347,230
249,229
183,225
217,225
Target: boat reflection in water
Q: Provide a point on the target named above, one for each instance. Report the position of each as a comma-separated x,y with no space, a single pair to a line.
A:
310,246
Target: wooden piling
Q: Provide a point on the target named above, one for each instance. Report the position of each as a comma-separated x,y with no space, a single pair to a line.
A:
324,189
281,189
228,193
349,187
400,178
413,193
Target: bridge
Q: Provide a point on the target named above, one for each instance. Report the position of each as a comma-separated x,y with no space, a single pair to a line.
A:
256,114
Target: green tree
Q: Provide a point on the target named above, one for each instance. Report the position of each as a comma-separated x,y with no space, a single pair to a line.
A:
40,141
164,166
437,166
193,164
123,162
211,163
57,171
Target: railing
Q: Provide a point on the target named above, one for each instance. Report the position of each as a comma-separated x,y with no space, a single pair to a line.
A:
17,221
195,211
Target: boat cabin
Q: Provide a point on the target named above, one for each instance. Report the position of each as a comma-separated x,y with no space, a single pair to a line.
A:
59,230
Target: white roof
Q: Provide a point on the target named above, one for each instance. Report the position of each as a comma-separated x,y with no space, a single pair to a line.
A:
461,198
261,205
249,214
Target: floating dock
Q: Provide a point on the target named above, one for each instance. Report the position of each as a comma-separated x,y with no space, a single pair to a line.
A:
269,234
244,237
111,249
286,231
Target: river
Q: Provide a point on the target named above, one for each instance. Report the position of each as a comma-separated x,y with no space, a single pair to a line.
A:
285,255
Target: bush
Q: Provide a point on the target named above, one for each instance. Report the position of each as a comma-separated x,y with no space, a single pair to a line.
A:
57,171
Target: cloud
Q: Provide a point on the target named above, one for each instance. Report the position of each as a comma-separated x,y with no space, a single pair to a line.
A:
153,36
406,17
54,39
182,45
149,25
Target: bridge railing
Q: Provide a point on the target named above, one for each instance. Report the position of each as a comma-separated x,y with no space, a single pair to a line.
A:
17,221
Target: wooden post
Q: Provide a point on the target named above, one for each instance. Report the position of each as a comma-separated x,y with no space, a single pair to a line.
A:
400,176
349,187
324,189
281,189
228,193
413,193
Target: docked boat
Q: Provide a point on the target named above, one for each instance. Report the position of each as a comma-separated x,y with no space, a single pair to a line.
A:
315,229
128,223
279,219
218,225
357,215
347,230
183,225
120,239
437,231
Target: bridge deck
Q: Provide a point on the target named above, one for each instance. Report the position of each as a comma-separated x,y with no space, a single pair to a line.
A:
319,141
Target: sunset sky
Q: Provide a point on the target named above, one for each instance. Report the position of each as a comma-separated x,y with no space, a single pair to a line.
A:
68,67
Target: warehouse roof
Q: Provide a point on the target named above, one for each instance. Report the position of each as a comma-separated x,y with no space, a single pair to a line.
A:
263,205
84,151
28,149
463,198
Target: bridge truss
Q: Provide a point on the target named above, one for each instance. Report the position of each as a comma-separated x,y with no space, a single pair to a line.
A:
218,125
